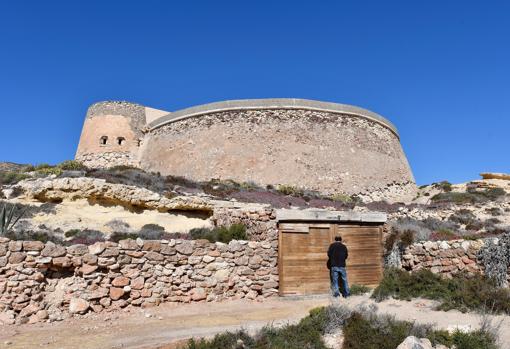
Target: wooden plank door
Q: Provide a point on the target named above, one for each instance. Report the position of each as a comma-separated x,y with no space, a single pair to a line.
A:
303,257
365,262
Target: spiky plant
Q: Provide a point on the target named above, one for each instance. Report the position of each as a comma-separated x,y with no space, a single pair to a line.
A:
7,219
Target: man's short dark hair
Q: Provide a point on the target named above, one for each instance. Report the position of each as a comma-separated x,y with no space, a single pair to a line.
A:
338,238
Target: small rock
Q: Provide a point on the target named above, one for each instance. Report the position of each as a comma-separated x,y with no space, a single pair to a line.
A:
78,306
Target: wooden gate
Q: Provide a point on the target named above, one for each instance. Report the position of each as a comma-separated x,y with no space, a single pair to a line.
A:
303,255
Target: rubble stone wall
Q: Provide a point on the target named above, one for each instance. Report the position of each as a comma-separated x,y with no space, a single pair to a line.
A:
444,257
40,281
108,159
260,224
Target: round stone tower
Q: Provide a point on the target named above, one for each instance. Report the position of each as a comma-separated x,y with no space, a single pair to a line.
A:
112,134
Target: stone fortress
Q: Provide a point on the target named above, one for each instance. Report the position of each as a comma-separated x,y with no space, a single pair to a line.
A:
327,147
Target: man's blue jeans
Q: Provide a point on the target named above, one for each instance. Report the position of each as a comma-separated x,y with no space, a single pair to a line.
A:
337,272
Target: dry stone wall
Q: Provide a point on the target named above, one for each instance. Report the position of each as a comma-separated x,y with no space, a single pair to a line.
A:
444,257
40,281
260,223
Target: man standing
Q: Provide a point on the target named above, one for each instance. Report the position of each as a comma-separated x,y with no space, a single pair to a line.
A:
337,254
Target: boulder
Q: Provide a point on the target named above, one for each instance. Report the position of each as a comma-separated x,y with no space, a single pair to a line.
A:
62,262
152,245
17,257
120,281
198,294
97,248
412,342
52,250
128,244
33,245
116,293
186,247
78,249
78,306
137,283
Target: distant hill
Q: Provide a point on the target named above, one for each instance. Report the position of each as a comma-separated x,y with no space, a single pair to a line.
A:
11,166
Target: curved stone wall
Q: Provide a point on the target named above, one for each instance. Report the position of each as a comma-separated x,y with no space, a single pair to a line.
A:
317,150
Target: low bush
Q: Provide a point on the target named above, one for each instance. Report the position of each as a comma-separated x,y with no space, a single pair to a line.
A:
362,329
72,165
444,186
462,216
369,330
86,236
462,292
10,177
469,197
289,190
117,236
494,211
355,290
220,234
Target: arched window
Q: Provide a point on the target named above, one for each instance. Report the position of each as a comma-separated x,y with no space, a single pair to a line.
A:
121,140
103,140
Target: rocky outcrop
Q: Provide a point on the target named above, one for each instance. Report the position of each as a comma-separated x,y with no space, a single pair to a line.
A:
98,190
56,281
492,175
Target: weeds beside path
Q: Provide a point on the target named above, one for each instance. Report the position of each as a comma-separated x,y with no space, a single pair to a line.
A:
169,324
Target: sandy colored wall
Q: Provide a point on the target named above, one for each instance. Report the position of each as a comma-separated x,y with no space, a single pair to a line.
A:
112,120
318,150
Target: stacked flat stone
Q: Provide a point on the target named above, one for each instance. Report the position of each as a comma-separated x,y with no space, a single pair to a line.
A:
108,276
444,257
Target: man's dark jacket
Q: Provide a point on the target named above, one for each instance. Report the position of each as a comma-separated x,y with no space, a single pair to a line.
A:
337,254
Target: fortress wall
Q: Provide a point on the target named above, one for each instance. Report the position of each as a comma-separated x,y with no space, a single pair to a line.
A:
121,123
319,150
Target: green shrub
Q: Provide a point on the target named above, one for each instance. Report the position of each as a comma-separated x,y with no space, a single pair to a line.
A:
9,177
359,289
47,170
363,329
117,236
469,197
72,165
220,234
289,190
342,198
444,186
225,340
306,334
384,332
461,292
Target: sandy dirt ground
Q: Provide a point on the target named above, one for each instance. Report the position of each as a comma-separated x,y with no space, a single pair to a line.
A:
167,325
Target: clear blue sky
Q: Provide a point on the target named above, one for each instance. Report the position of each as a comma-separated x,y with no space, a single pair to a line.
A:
439,70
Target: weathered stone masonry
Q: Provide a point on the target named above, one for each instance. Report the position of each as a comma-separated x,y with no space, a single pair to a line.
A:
444,257
40,281
328,147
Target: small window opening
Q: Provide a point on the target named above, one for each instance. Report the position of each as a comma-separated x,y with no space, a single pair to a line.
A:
103,140
121,140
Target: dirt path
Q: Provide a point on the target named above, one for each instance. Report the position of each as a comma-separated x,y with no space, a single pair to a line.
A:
151,328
